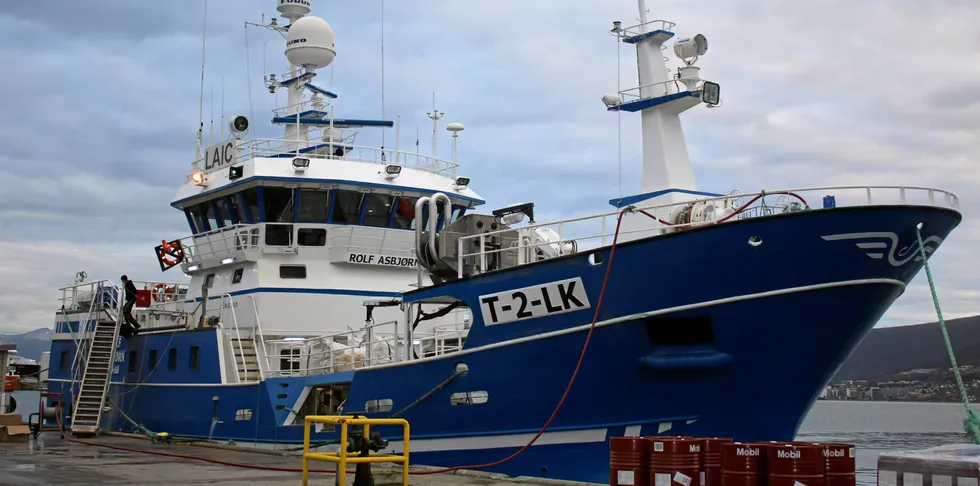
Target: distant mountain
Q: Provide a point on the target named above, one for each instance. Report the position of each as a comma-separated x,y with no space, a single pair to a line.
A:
30,344
890,350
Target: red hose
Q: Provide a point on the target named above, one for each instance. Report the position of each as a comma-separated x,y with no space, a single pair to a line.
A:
568,388
188,456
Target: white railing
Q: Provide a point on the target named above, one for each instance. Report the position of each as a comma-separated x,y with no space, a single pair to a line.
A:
660,88
649,26
283,147
577,234
259,337
105,294
371,345
222,243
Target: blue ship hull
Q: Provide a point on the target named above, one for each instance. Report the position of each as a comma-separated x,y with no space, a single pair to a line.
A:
699,333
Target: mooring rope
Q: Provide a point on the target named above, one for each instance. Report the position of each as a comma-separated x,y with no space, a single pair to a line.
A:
971,424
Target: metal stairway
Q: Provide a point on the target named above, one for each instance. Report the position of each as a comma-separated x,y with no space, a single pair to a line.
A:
90,401
246,359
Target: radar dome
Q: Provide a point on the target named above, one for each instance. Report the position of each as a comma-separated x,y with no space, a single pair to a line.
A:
293,9
309,43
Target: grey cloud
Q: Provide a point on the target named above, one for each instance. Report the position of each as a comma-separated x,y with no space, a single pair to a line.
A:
815,93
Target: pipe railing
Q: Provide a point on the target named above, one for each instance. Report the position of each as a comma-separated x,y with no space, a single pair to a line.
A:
700,212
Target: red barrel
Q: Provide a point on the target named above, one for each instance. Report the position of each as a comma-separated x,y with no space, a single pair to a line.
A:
742,464
675,460
840,464
711,460
788,464
629,461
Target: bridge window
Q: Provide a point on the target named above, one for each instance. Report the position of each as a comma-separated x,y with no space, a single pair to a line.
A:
237,276
194,218
153,360
172,359
251,199
208,218
223,213
377,209
278,204
348,205
314,205
404,213
236,210
311,237
133,359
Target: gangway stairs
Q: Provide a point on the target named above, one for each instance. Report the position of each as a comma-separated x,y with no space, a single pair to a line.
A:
90,401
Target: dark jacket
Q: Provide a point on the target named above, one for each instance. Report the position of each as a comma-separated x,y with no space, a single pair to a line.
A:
130,291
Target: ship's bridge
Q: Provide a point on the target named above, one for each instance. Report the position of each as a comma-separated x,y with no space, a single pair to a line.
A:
279,195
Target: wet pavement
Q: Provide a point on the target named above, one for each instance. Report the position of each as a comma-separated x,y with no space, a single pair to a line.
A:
51,460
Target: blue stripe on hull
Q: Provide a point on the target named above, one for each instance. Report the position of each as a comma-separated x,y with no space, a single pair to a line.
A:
753,377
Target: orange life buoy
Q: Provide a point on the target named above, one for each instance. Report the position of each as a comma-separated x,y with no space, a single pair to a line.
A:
171,249
162,292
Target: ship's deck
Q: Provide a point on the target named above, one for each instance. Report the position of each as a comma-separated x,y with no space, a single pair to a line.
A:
53,460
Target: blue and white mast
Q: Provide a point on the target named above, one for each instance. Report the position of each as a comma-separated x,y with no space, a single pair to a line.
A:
661,98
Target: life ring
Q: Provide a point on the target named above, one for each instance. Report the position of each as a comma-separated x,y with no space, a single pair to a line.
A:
171,248
161,292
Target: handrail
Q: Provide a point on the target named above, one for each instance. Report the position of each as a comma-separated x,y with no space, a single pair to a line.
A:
639,89
265,147
238,335
637,29
265,351
664,215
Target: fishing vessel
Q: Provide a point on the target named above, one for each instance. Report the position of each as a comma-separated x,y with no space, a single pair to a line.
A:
330,277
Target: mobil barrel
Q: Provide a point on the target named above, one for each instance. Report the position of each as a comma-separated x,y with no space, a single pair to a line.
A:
711,460
840,464
675,461
789,464
629,460
742,464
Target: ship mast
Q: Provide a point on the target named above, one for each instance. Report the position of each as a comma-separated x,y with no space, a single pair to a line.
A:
661,98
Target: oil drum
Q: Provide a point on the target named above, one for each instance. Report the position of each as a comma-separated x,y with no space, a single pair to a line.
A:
711,460
742,464
675,461
791,463
629,461
840,464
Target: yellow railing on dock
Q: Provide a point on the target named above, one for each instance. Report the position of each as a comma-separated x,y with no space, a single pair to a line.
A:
342,458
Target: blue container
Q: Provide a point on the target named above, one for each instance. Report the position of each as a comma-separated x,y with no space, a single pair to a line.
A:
829,202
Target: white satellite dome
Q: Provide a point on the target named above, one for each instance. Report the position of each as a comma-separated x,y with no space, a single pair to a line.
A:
309,43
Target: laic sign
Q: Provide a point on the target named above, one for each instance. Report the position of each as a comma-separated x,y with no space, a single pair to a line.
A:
219,155
535,301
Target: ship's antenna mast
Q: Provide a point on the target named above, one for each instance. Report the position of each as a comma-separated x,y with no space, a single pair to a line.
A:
200,108
435,115
211,134
382,72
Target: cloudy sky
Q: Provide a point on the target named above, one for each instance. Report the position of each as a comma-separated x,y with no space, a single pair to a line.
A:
100,102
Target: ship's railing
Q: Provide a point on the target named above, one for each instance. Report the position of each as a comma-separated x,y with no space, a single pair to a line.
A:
317,149
371,345
83,296
648,26
222,243
660,88
586,232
